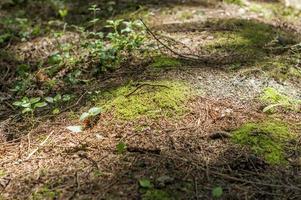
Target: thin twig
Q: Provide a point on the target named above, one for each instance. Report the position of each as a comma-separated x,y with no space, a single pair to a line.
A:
195,57
145,84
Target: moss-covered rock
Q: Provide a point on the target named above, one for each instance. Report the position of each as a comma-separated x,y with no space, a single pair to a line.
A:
152,99
267,139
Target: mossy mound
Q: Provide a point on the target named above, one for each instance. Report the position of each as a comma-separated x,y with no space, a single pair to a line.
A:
152,99
267,139
165,62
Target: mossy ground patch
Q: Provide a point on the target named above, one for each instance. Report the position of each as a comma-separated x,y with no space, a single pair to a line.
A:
267,139
152,99
273,98
165,62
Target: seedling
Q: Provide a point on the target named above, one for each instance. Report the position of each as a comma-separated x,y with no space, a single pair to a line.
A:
93,112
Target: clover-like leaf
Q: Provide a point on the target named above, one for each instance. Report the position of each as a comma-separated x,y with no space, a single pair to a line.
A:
84,116
57,97
49,99
95,111
34,100
40,104
66,97
55,111
26,105
17,103
26,110
145,183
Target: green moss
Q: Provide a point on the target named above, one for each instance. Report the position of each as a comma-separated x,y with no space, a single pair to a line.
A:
282,67
155,194
45,193
165,62
247,38
152,99
267,139
236,2
273,98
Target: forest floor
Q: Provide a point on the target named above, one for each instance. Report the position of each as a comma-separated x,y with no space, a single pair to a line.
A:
216,116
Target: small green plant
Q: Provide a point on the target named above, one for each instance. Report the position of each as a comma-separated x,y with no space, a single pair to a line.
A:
56,100
90,114
124,39
145,183
217,192
94,9
30,104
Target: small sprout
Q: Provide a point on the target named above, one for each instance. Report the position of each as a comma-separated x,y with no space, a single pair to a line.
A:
91,113
49,99
217,192
121,147
63,13
55,111
145,183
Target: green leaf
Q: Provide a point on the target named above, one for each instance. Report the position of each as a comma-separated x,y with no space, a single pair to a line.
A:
217,192
57,98
145,183
66,97
75,129
17,103
56,111
27,110
26,105
121,147
40,104
25,99
94,111
34,100
63,13
84,116
49,99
